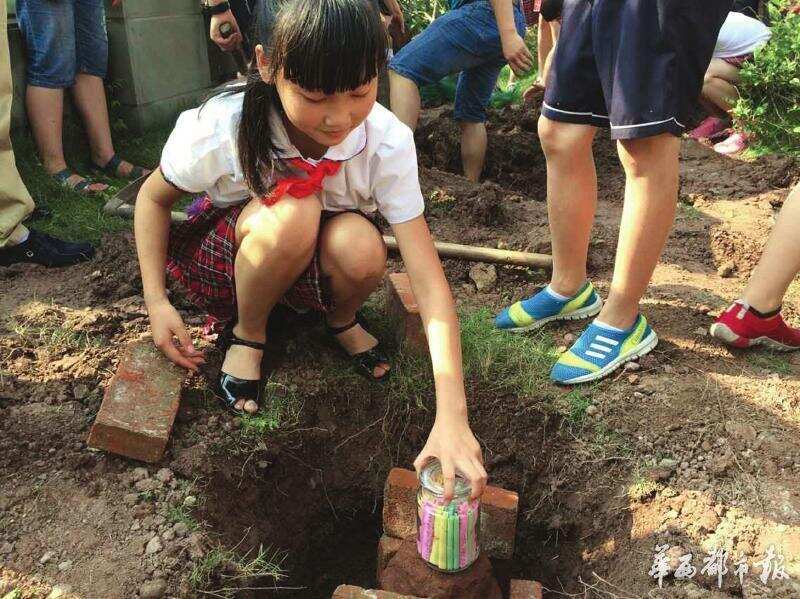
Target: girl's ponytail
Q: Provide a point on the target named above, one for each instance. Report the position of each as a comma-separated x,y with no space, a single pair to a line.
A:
254,142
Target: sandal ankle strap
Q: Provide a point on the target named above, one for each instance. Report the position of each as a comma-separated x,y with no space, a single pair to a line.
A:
228,337
339,330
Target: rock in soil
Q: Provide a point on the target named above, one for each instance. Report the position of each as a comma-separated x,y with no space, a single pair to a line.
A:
153,589
484,276
153,546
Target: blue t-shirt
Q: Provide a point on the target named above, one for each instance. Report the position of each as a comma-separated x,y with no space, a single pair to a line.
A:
459,3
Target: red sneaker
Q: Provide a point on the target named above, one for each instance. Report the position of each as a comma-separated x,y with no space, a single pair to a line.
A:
710,127
739,327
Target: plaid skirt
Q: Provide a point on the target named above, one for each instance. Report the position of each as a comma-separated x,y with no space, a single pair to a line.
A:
738,61
201,257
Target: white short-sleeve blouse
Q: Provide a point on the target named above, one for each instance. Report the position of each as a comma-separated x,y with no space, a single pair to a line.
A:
379,160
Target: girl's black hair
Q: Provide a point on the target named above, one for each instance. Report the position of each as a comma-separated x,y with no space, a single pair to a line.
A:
321,45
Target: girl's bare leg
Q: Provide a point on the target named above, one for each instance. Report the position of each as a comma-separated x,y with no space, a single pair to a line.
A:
353,255
275,245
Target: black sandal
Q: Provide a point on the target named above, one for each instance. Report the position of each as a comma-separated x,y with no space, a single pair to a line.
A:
230,389
365,362
111,169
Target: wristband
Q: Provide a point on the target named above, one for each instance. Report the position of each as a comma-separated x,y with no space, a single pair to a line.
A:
210,10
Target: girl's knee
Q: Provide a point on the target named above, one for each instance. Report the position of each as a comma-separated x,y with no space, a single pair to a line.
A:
353,247
290,226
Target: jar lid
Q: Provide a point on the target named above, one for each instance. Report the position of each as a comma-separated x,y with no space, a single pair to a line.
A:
432,479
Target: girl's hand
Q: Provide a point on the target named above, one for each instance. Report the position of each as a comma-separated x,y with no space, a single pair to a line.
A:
452,442
167,324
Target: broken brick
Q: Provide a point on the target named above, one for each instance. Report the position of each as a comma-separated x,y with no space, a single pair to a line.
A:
347,591
407,573
140,403
499,509
525,589
403,308
400,504
387,547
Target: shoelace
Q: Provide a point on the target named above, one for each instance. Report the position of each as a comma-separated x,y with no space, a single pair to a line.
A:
298,187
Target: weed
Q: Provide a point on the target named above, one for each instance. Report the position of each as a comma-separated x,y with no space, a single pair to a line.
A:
578,404
282,408
225,574
180,513
772,362
643,488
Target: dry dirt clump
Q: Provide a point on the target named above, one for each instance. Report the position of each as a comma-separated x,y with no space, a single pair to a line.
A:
695,447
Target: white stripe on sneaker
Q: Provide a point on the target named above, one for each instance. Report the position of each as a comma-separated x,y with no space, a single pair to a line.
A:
600,347
607,340
594,354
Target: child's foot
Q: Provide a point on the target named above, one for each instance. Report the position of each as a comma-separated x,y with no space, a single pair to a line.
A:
740,327
241,370
600,350
733,145
362,347
709,128
547,306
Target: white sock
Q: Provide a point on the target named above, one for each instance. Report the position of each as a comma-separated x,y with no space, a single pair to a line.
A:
608,327
553,294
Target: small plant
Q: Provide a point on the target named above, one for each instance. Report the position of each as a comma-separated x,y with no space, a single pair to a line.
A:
769,105
578,404
223,573
281,410
421,13
772,362
643,488
181,513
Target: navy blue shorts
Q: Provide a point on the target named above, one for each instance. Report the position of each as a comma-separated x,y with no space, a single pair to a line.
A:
635,66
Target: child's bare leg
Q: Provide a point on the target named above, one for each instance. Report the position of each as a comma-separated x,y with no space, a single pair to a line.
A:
651,193
275,245
353,255
473,149
544,44
571,199
780,261
405,99
719,85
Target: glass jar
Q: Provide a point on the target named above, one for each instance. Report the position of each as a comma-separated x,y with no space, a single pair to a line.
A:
448,533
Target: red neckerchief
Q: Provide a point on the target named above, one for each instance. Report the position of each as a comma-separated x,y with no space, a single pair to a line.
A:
298,187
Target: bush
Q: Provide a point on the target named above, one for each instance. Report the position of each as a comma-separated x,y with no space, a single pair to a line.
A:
769,106
421,13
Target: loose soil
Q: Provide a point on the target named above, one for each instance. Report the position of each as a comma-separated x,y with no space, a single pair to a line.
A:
697,448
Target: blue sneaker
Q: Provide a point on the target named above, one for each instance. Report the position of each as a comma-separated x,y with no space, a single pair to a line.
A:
538,310
600,351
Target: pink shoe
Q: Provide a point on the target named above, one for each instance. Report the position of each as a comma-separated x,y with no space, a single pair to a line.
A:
709,128
733,145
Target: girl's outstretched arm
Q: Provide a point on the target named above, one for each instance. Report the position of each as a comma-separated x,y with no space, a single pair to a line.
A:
151,228
451,439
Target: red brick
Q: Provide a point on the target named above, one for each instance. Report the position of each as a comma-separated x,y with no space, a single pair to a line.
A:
525,589
499,522
139,407
498,514
400,504
346,591
403,308
407,573
387,547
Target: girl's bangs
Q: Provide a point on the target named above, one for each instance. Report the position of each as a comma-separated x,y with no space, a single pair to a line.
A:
330,46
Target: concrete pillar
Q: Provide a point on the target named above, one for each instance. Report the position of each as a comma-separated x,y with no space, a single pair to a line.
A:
158,59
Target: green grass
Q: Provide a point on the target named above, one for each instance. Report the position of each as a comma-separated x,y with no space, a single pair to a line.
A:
282,407
225,573
773,362
76,216
502,362
180,513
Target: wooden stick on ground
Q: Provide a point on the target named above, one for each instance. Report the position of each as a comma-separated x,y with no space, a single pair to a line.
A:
483,254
